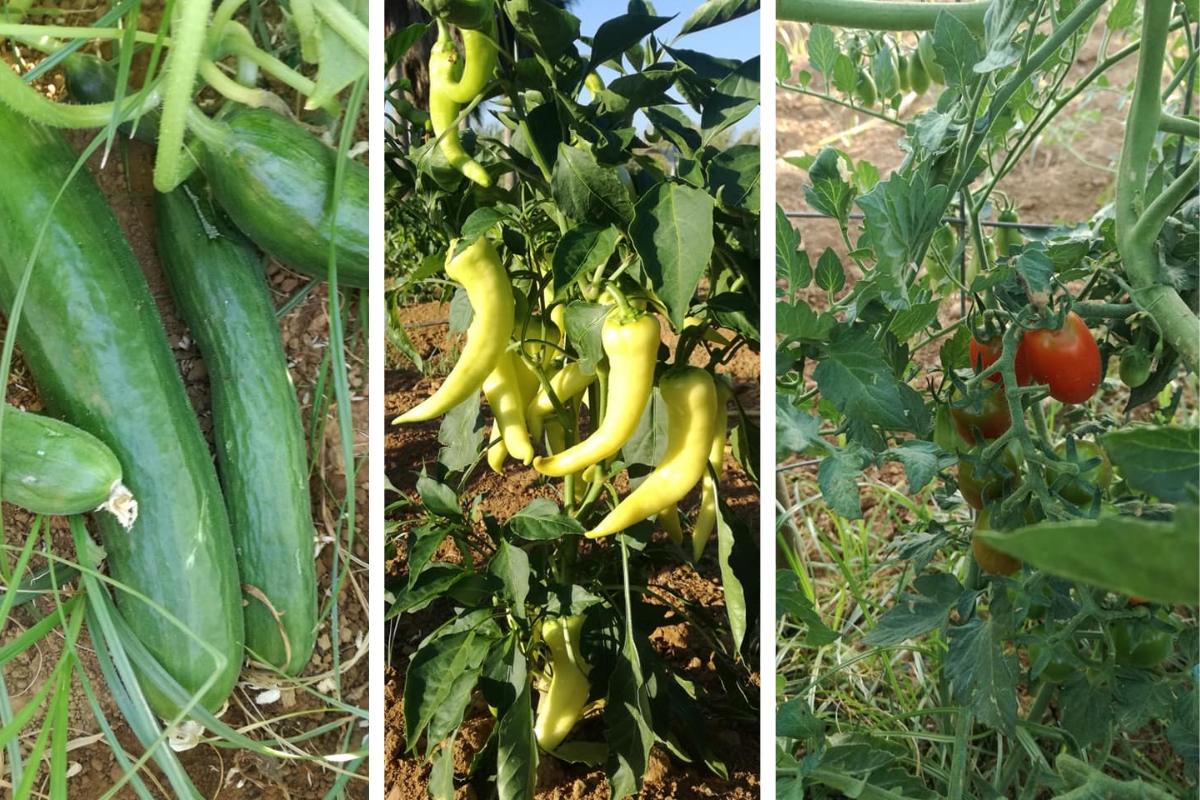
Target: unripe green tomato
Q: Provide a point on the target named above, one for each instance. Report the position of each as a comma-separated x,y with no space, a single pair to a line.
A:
864,90
929,59
1057,670
918,76
902,72
982,484
1138,643
1081,489
1135,366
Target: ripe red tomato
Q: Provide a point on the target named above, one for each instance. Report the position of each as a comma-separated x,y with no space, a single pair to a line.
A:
1067,360
993,420
984,354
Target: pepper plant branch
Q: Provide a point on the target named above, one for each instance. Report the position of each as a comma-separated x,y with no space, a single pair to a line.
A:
1136,236
880,16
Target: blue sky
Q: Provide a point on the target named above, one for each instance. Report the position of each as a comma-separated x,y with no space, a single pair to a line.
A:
737,39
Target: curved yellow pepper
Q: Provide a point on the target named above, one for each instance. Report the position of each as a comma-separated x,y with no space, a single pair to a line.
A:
632,348
445,71
706,517
481,273
561,706
691,401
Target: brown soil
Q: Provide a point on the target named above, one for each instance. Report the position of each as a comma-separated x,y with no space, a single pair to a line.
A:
408,447
221,771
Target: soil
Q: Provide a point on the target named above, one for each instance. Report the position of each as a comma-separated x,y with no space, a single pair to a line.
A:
407,448
217,769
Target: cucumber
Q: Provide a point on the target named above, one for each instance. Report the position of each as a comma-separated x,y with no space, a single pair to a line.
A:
90,79
52,467
94,342
275,180
221,291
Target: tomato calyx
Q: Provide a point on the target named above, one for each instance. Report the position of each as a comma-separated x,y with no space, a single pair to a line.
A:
1095,474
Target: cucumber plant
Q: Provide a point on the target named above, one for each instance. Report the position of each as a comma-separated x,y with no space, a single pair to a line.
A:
164,599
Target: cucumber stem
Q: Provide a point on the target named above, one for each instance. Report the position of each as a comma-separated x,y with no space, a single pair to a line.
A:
188,26
27,102
342,22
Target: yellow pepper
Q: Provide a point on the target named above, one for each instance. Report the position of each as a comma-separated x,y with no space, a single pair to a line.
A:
691,401
481,272
631,344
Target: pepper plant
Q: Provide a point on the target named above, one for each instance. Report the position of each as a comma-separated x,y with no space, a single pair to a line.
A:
600,243
1042,522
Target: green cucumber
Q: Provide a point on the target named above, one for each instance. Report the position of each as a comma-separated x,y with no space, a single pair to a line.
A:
91,80
221,291
275,181
93,340
52,467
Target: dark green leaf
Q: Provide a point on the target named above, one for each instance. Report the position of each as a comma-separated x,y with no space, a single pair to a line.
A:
733,99
517,753
543,520
583,322
983,673
1159,561
584,190
854,376
581,251
616,35
460,434
828,191
511,566
672,231
439,498
916,614
1164,462
547,29
716,12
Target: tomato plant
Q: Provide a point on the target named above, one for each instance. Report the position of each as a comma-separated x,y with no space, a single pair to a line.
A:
905,275
597,238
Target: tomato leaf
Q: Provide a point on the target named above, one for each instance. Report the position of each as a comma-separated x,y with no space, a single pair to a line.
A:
1158,561
1161,461
791,601
856,379
915,614
981,674
830,192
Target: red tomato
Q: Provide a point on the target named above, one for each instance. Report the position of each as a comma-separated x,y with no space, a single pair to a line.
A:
993,420
1067,360
984,354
